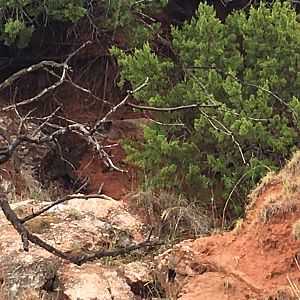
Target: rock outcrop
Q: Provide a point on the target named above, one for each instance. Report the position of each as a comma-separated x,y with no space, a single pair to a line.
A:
78,226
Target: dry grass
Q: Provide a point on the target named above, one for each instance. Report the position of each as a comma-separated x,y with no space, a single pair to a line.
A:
173,216
74,214
272,209
294,288
281,203
41,224
296,230
34,187
270,179
292,169
280,191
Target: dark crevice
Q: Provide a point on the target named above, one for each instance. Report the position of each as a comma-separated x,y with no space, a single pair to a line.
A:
52,289
60,164
171,275
50,285
147,290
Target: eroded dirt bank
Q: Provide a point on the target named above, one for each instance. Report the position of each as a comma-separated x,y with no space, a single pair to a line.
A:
258,260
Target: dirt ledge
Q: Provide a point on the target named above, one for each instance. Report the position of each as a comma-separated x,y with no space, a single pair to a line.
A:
259,259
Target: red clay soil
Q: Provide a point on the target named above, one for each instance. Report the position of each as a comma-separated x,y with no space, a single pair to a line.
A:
259,257
252,262
78,106
115,184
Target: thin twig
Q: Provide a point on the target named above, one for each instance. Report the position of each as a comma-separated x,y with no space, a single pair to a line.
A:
110,163
8,82
170,109
48,118
234,188
294,288
69,80
120,104
59,201
229,197
42,93
27,237
297,263
117,251
225,131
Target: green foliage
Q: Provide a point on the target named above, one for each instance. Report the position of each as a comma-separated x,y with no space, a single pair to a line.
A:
131,17
173,217
19,18
249,67
16,31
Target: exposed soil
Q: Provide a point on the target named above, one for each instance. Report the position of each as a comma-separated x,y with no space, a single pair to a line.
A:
112,183
254,261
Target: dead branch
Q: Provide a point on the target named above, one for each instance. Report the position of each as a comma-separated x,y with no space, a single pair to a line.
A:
224,130
118,251
167,124
229,197
120,104
109,162
47,119
84,131
171,109
59,201
13,219
7,153
47,132
27,237
8,82
87,91
234,189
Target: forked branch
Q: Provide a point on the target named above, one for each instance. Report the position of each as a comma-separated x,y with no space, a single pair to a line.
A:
27,237
64,66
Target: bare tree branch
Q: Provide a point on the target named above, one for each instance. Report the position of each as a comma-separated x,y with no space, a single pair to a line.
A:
64,66
42,93
120,104
118,251
69,80
46,132
9,81
226,131
27,237
59,201
170,109
110,163
84,131
234,188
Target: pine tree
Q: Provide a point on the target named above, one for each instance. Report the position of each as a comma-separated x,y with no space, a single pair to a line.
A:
247,67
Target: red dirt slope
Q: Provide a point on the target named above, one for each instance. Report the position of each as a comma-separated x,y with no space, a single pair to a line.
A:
258,260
